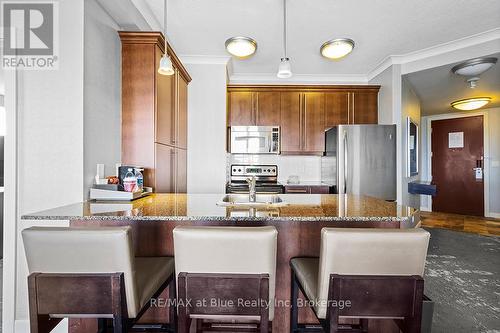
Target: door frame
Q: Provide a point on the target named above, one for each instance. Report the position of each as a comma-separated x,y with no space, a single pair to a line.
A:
486,148
11,198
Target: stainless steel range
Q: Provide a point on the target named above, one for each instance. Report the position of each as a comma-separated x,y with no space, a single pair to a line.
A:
266,177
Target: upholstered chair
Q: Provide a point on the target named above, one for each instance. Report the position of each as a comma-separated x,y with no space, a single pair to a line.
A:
363,273
225,264
91,273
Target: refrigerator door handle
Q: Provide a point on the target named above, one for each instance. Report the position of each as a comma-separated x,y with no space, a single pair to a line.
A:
345,162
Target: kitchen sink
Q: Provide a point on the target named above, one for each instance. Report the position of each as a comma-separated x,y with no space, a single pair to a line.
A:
242,200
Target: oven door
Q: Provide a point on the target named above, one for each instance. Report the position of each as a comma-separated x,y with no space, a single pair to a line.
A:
254,140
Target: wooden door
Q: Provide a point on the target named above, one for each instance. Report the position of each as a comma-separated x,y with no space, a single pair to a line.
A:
291,126
458,190
182,112
165,106
181,171
268,108
336,108
314,122
165,172
364,108
241,109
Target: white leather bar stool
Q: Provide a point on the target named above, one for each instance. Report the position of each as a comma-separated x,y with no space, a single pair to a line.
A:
91,273
222,265
363,273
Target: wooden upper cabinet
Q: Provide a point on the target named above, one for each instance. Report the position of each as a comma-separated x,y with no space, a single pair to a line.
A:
268,108
182,116
365,107
314,122
254,108
291,122
306,111
241,108
336,108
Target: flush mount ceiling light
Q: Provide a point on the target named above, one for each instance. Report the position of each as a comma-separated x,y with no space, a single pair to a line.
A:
285,68
337,48
473,68
165,67
471,103
241,47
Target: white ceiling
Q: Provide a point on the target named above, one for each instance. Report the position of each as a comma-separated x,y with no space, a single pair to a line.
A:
380,28
438,87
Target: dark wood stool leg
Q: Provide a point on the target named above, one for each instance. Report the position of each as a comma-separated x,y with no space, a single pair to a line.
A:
38,323
172,295
264,311
184,322
294,311
120,315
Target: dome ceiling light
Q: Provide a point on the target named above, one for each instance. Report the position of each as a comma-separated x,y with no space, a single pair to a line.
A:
241,47
471,103
473,68
337,48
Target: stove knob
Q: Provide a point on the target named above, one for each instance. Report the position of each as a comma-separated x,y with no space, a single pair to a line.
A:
234,170
239,170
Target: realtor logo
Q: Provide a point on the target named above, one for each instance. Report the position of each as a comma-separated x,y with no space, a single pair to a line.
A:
29,34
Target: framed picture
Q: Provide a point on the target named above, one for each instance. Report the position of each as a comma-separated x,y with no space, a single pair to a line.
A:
412,148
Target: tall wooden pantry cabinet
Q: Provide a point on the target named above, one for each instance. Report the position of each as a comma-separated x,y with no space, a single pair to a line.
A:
154,112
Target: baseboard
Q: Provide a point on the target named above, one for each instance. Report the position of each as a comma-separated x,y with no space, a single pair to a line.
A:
23,326
493,215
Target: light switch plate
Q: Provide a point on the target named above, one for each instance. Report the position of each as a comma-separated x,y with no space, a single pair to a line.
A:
495,164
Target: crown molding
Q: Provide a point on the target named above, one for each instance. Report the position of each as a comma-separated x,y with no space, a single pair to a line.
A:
204,59
270,78
435,51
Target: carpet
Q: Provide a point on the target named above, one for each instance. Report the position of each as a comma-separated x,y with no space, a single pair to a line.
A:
462,277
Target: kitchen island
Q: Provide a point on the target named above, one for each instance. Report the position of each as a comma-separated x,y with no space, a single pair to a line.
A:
298,219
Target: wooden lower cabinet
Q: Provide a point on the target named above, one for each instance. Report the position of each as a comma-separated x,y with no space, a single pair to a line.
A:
307,189
171,169
181,171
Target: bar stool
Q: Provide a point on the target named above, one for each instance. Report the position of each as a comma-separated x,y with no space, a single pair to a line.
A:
91,273
363,273
225,275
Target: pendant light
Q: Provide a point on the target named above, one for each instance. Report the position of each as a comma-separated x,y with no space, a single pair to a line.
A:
165,67
285,69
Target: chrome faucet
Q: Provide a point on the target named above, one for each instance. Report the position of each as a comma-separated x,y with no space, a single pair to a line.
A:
252,196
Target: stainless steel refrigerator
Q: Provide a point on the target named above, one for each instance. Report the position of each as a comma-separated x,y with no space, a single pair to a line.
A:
361,159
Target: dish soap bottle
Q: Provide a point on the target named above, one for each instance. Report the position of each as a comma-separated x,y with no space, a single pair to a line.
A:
140,179
130,181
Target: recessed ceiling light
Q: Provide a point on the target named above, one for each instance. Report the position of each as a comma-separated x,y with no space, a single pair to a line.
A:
337,48
241,47
471,103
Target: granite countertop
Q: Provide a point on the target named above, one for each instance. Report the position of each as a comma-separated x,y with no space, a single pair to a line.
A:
203,207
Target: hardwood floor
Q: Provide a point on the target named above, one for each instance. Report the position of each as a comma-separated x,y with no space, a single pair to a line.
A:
473,224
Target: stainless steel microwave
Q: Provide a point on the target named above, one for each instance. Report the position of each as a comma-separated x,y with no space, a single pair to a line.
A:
255,140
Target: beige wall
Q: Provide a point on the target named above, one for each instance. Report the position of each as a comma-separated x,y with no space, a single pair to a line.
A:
410,107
